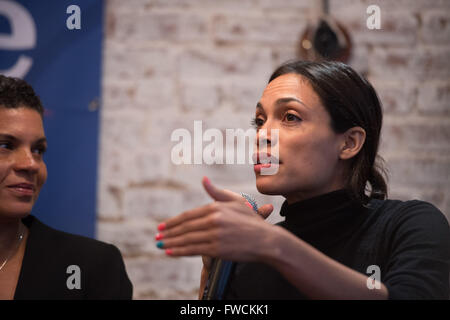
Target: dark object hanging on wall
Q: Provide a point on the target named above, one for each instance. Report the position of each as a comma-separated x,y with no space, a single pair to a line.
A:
326,39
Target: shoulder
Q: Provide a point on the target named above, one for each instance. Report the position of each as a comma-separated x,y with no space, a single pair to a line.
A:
67,243
411,211
416,243
411,219
52,255
412,226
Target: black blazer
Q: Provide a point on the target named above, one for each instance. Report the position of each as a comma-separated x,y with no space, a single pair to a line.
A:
45,272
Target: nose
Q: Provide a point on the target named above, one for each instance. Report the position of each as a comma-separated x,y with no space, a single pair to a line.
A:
25,161
267,136
263,137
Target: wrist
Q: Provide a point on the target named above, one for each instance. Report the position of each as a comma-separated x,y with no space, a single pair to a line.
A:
271,249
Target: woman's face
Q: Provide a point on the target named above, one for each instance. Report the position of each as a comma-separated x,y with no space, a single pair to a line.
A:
308,147
22,168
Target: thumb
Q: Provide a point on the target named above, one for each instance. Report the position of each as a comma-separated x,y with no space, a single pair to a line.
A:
265,210
216,193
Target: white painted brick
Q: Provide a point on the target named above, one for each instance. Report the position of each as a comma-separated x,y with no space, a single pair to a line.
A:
434,98
357,6
150,166
204,97
133,237
243,99
286,5
397,98
156,94
434,196
160,203
359,59
436,27
164,278
281,54
397,27
160,26
258,29
119,95
109,200
419,172
406,65
225,65
184,5
223,174
138,62
417,138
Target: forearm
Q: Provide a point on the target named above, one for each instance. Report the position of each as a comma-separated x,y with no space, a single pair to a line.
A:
315,274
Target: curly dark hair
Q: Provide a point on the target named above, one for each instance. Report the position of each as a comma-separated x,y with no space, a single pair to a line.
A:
16,93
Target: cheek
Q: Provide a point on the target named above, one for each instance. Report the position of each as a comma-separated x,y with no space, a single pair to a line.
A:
42,175
4,169
315,156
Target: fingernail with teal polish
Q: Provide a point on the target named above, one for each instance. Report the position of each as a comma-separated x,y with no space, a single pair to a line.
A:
160,244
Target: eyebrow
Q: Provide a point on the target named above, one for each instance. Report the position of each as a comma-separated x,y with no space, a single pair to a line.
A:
11,137
282,101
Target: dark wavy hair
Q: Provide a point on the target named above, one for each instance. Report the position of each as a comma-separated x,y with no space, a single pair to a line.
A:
351,101
17,93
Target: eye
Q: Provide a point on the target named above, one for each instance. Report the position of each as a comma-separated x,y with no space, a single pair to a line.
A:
257,122
5,145
290,117
39,150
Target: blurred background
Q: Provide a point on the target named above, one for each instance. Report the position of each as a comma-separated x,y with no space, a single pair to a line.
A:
163,64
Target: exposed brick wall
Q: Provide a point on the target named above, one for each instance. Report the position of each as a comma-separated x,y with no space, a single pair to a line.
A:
167,63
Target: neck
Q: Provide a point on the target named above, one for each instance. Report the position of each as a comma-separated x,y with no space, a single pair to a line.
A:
336,182
9,234
300,196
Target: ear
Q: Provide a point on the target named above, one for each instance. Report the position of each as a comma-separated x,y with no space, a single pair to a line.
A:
353,142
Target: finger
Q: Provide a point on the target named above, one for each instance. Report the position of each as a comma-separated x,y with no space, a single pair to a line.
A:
216,193
201,223
188,239
265,210
188,215
234,195
192,250
238,197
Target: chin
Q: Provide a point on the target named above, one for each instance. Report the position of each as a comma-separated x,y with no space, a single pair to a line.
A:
267,185
15,211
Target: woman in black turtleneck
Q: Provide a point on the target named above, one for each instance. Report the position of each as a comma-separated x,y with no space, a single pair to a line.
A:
336,242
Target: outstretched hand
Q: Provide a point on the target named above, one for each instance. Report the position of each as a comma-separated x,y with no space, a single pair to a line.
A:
227,195
226,228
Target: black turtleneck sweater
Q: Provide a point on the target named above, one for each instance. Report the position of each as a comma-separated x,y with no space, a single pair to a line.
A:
408,240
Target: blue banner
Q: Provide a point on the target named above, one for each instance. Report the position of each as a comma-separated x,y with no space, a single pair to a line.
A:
56,45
